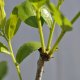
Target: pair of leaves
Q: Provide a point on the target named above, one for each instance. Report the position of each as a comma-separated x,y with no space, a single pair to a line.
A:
59,18
10,26
50,10
3,48
3,69
27,13
26,49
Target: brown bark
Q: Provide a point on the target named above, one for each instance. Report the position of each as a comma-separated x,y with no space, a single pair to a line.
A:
40,68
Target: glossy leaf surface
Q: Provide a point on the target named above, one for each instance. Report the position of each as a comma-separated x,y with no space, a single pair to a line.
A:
47,16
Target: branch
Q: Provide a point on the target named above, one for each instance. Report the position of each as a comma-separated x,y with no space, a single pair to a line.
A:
75,17
40,68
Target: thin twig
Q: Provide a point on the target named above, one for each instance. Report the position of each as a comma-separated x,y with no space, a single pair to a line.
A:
15,62
75,17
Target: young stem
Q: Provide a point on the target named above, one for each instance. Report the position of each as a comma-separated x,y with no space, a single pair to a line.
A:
75,18
53,26
40,30
50,36
40,68
14,60
56,43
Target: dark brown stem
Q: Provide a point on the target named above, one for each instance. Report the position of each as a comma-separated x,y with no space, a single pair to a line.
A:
40,68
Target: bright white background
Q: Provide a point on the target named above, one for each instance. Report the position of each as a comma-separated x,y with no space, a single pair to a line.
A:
65,65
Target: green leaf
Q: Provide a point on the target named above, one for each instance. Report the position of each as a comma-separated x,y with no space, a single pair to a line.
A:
3,49
13,24
27,13
59,18
2,14
26,49
25,10
3,69
47,16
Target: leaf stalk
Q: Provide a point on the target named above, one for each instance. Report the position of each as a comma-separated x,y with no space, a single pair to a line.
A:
50,36
40,30
56,43
75,17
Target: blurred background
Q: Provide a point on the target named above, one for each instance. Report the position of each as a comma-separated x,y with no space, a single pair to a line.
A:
66,62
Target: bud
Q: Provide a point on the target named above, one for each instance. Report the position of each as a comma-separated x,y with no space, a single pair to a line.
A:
2,14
